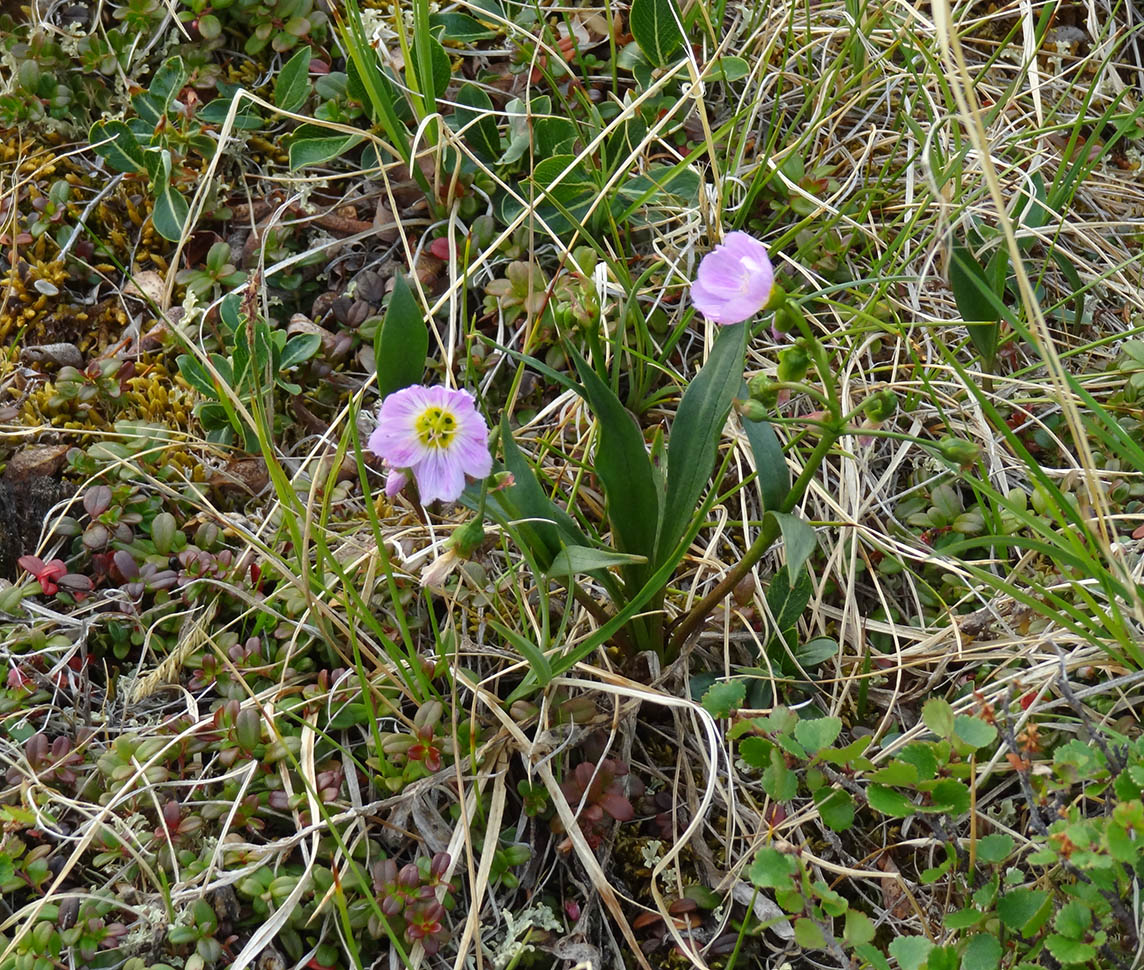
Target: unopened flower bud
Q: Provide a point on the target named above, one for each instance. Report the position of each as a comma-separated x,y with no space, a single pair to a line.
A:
465,540
763,390
752,410
787,318
881,406
793,364
959,451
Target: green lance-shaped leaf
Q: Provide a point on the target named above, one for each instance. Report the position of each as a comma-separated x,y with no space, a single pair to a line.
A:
624,469
655,25
978,302
696,430
292,86
401,343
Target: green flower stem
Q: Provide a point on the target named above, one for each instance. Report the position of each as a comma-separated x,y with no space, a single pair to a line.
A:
763,542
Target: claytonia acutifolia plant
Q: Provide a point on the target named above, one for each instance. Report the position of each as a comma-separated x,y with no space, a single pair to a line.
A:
734,281
434,435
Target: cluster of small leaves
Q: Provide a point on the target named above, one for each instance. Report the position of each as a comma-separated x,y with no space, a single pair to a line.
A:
258,359
415,899
1009,914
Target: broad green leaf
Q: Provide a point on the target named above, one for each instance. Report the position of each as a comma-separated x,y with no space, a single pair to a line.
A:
938,716
655,25
727,68
215,112
292,86
299,348
434,81
771,471
816,651
922,757
196,375
836,808
772,869
624,469
319,150
983,952
461,27
948,796
121,148
974,731
170,211
808,934
1069,951
756,751
401,343
896,773
167,82
1074,919
1025,911
817,733
859,928
993,849
910,951
573,560
798,539
787,604
890,802
724,697
474,113
695,433
779,782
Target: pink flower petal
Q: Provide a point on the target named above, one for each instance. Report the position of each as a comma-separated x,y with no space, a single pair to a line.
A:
734,280
439,477
395,481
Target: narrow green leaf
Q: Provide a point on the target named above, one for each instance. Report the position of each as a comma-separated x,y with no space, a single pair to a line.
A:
771,471
655,25
623,467
574,560
381,95
979,305
292,86
527,649
401,343
696,430
799,540
543,526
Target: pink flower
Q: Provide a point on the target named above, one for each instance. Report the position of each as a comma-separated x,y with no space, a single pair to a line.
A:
435,435
734,280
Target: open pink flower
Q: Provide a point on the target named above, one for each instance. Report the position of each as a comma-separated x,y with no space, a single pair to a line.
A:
434,434
734,280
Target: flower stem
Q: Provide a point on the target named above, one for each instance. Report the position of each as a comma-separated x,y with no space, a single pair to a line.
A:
765,539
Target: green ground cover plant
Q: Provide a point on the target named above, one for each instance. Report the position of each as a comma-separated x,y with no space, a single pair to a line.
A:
531,485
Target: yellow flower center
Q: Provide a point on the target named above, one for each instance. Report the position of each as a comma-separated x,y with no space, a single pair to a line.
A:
435,428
